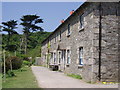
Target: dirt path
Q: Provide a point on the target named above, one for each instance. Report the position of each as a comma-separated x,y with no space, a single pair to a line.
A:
53,79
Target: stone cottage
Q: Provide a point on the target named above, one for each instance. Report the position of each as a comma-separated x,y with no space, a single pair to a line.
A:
86,43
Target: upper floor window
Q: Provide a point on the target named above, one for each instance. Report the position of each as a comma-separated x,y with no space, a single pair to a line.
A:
55,39
60,36
81,19
81,56
68,32
49,43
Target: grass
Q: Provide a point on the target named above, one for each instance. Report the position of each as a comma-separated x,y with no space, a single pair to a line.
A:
0,80
74,76
24,78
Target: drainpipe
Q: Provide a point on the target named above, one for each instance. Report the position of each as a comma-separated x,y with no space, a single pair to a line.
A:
100,38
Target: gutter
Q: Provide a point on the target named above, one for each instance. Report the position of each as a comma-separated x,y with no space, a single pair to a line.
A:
100,38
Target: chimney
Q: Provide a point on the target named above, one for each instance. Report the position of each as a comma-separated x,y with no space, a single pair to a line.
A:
62,21
71,12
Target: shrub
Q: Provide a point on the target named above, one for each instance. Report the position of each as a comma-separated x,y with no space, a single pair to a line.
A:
10,73
27,63
26,58
16,63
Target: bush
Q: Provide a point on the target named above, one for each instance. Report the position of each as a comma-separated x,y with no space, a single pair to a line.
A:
27,63
26,58
10,73
16,63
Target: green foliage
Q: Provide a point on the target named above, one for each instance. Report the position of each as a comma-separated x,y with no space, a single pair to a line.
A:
34,48
16,63
25,57
9,27
10,73
27,63
74,76
14,43
30,24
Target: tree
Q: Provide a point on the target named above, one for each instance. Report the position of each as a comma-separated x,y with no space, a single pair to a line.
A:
9,27
0,28
30,24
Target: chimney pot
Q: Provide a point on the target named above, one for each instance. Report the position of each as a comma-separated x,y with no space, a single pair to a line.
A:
71,12
62,21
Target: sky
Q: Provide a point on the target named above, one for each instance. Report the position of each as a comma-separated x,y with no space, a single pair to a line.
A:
51,12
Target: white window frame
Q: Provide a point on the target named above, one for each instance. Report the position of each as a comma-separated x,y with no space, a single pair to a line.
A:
54,57
60,36
59,57
81,56
51,58
55,38
68,57
81,22
68,29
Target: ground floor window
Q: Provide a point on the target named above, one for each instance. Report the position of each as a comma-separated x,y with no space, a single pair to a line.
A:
64,56
51,59
81,56
59,57
54,58
68,56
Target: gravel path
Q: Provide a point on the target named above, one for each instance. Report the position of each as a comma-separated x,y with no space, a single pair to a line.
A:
53,79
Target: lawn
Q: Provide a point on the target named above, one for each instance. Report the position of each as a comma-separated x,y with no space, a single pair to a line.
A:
74,76
24,79
0,80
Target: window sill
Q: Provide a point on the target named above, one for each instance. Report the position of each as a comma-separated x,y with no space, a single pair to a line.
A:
67,65
81,29
80,66
68,35
59,40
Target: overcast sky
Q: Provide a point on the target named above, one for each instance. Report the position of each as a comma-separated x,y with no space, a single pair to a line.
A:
51,12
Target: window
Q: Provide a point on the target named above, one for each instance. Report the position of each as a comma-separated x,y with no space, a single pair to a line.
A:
81,18
60,36
54,58
59,57
81,56
64,57
49,43
68,33
45,57
51,58
55,39
68,56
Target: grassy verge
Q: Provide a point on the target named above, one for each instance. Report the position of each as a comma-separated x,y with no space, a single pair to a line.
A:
0,80
24,79
74,76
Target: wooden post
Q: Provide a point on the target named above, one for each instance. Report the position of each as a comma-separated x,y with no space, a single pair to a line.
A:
10,64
